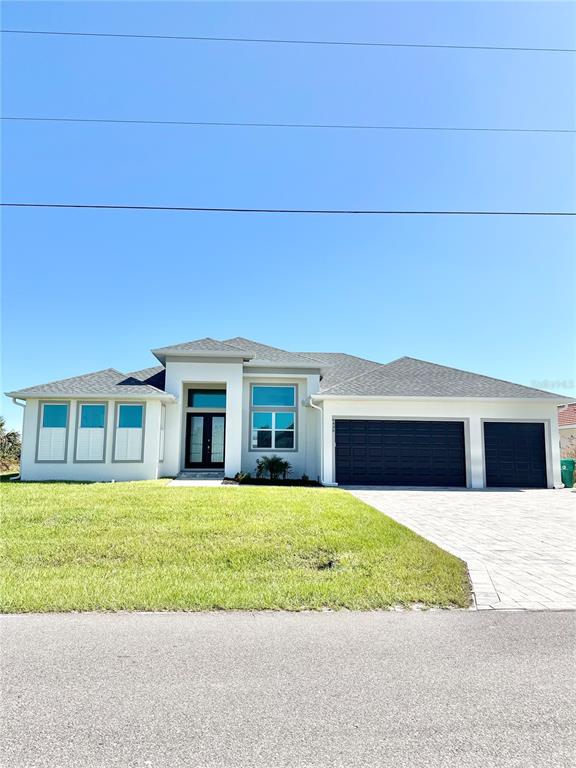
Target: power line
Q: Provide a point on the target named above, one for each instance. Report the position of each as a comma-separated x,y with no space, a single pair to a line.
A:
342,126
334,211
275,41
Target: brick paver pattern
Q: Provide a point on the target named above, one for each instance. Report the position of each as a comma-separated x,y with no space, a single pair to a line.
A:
519,545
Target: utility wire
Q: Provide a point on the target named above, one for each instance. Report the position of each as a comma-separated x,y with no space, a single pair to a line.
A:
335,211
342,126
274,41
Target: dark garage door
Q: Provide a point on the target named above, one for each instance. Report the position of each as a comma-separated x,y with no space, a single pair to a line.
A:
515,455
400,453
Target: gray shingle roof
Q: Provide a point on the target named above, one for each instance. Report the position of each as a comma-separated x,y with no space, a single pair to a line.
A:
272,354
198,345
409,377
339,367
155,376
109,382
342,375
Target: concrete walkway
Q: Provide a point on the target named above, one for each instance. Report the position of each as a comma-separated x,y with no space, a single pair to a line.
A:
520,546
176,483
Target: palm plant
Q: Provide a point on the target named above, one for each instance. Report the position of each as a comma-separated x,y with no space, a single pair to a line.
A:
273,466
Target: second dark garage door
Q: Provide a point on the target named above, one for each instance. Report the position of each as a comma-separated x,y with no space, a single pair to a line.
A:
427,453
515,454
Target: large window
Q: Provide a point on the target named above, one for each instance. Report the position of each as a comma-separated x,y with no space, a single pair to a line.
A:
273,416
91,432
52,442
129,432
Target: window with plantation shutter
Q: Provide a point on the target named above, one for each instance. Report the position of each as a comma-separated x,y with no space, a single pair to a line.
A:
129,432
91,432
53,432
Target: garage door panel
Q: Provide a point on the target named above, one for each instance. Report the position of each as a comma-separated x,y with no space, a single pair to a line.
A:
515,455
379,452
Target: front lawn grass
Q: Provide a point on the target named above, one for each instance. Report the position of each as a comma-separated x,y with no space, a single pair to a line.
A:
146,546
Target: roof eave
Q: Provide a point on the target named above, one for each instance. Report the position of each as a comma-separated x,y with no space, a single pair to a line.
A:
162,354
552,399
259,363
92,395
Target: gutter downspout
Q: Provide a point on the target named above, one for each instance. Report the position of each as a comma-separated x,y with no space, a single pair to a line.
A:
318,408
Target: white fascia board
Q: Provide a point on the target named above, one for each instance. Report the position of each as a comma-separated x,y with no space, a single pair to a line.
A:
162,354
92,396
264,363
364,398
566,426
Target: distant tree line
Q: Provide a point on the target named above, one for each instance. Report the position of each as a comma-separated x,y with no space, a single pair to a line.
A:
10,447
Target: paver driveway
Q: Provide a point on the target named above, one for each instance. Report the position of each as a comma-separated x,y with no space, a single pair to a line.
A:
520,546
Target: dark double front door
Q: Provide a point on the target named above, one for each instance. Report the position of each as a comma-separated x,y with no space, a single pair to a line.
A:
205,440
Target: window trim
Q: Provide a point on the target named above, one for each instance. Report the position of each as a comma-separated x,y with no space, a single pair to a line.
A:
273,409
41,404
79,406
118,403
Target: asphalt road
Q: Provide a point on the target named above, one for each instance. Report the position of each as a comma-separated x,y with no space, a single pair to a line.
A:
412,690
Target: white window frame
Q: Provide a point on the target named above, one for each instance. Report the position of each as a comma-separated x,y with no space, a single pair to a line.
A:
273,409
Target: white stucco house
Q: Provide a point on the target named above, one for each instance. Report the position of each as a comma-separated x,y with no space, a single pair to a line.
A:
217,406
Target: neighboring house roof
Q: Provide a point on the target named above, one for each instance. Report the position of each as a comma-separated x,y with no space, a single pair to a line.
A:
409,377
567,415
342,375
108,382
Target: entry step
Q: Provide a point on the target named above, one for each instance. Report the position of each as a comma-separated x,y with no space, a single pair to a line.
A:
205,474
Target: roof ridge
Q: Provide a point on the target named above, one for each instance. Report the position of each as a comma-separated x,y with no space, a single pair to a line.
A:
194,341
269,346
473,373
346,354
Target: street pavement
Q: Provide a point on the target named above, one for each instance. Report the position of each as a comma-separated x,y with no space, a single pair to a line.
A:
408,689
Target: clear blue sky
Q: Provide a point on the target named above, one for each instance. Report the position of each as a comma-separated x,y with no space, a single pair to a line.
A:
85,290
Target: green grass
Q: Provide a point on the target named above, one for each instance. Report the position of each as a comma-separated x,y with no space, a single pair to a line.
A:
145,546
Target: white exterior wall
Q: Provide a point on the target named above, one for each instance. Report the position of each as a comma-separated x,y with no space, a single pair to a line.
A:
315,451
306,458
180,375
90,471
472,412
